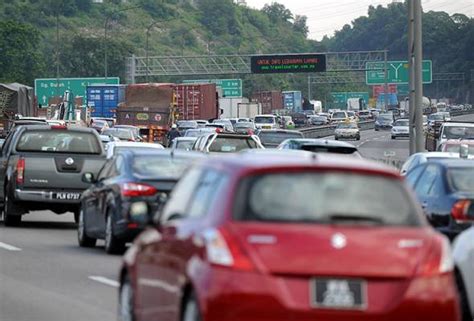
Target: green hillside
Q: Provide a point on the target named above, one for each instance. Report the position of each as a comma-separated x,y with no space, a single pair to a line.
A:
39,36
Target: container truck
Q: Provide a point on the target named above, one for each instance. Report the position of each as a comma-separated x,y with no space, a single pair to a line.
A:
196,101
293,100
270,100
103,100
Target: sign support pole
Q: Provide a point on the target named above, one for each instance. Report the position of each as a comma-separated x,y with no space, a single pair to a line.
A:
309,88
385,81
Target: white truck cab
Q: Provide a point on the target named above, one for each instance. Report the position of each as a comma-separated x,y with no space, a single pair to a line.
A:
266,122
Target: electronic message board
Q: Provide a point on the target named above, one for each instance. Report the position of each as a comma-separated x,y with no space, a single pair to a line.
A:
273,64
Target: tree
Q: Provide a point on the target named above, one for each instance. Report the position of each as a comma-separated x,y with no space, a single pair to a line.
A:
277,12
20,58
299,25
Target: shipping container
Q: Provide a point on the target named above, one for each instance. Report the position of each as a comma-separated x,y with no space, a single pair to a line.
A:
293,100
197,101
270,100
103,100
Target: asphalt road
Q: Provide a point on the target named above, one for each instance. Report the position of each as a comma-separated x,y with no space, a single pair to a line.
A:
46,276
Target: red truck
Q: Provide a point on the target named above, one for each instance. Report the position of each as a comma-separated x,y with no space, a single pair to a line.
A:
154,107
270,100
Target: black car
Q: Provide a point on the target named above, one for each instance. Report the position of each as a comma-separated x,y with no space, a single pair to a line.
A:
444,189
133,182
271,138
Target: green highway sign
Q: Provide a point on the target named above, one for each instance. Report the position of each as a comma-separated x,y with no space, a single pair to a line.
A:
231,88
47,88
397,72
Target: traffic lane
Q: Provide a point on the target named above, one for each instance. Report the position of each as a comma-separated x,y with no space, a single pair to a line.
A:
50,277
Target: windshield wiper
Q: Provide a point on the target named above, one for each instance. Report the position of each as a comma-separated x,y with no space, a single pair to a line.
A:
343,218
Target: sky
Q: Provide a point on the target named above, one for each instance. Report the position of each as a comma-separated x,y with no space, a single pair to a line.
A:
326,16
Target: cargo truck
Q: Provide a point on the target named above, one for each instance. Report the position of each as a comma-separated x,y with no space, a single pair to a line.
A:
15,99
154,107
270,100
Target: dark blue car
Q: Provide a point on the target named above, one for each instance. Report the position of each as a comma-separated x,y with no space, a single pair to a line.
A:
133,182
445,190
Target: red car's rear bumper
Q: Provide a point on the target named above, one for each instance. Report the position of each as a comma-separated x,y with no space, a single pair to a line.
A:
242,296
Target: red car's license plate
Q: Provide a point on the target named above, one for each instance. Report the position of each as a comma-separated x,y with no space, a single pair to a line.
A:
339,294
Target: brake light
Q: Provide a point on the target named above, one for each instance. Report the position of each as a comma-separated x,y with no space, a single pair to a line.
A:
219,130
460,211
20,171
250,132
58,127
137,189
222,249
439,259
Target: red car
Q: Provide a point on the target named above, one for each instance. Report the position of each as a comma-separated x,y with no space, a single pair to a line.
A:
258,238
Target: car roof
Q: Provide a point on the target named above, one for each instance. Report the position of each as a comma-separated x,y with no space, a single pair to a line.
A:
456,163
452,124
283,131
277,159
189,138
320,142
136,144
459,141
55,127
163,152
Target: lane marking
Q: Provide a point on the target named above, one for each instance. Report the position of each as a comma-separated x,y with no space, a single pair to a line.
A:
9,247
105,281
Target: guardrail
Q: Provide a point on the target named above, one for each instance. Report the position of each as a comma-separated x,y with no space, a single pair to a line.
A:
328,130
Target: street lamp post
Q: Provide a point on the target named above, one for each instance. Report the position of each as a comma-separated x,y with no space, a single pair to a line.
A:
106,23
147,37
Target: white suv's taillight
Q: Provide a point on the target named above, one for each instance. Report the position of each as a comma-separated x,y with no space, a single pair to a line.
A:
222,249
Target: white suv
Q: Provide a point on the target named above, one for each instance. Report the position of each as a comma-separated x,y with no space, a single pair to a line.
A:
266,122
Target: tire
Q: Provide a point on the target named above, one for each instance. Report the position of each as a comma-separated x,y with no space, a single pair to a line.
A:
11,213
112,244
126,308
77,213
335,138
82,238
393,137
465,310
191,309
358,138
376,129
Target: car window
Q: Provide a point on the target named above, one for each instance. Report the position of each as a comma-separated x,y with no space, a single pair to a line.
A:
340,196
52,141
426,181
437,189
181,195
413,175
206,193
120,164
462,179
103,174
231,144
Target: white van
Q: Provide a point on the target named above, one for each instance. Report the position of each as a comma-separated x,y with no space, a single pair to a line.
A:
266,122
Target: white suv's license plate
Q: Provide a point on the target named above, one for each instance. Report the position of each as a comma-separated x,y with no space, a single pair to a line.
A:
67,196
343,294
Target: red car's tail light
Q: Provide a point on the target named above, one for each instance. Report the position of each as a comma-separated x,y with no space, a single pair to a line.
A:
137,189
439,259
20,171
460,211
222,249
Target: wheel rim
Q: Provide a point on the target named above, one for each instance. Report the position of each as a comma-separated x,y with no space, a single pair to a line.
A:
108,233
191,312
80,226
126,302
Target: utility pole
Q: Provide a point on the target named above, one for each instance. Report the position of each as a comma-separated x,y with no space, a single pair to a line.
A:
385,80
309,88
415,55
411,87
418,61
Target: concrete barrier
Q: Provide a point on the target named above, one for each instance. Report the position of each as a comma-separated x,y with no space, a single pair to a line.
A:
328,130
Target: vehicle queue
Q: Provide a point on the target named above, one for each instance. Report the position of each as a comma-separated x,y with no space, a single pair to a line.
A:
284,225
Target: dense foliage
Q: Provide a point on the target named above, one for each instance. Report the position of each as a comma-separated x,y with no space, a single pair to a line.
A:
30,47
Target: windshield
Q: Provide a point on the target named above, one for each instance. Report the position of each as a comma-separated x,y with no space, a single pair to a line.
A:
59,142
454,148
291,197
458,132
160,166
232,144
243,125
275,138
385,119
330,149
339,115
119,133
347,126
401,123
99,123
184,144
435,117
462,179
265,120
187,124
197,133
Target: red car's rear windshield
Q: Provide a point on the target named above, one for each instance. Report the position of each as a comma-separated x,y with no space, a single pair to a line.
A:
326,198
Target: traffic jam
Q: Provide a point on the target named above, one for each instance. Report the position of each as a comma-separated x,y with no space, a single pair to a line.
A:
245,218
